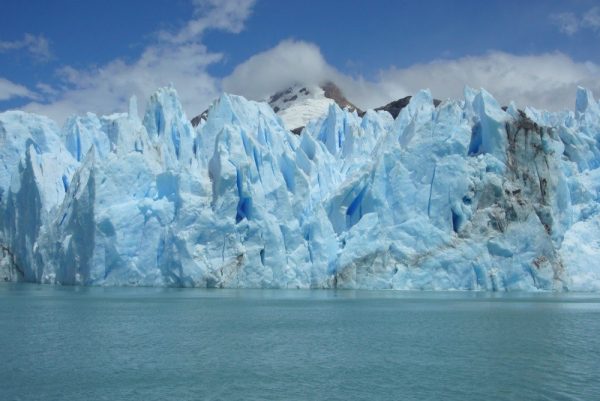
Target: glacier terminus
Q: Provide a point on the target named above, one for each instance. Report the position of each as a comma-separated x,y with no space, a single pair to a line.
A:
463,195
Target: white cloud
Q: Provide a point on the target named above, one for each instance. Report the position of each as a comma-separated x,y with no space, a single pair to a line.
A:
569,23
546,81
228,15
107,89
37,46
10,90
176,57
287,63
293,61
46,89
591,19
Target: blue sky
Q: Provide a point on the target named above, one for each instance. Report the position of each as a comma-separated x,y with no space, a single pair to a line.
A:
68,56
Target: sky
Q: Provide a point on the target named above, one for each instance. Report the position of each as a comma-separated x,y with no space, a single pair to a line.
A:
69,57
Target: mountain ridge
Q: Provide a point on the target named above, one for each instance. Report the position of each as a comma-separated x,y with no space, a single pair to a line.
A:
283,99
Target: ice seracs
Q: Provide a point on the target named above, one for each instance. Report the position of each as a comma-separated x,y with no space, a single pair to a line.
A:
458,195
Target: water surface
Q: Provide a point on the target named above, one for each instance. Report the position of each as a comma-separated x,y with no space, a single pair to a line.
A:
59,343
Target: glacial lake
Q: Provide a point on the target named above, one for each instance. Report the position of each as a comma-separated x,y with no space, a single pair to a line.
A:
69,343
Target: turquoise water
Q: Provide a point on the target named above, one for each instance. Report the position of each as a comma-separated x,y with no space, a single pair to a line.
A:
159,344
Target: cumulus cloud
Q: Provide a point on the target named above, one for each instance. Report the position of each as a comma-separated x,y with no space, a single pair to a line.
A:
10,90
291,62
546,81
37,46
107,89
177,58
287,63
570,23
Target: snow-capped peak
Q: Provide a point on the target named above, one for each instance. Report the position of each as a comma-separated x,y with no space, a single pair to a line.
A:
299,104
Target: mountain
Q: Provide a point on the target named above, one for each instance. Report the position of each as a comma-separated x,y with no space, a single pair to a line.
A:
463,196
299,104
396,106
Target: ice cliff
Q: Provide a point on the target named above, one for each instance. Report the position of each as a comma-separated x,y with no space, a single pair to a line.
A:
465,195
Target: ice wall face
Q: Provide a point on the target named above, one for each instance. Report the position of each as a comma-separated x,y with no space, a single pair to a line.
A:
464,195
34,175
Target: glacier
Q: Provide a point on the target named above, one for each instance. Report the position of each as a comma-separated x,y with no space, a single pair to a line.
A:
467,195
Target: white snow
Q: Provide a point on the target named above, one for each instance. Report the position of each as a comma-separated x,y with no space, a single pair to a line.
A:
301,105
